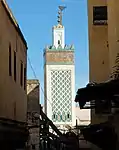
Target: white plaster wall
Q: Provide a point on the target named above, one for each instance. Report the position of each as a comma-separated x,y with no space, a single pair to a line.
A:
57,31
48,91
83,116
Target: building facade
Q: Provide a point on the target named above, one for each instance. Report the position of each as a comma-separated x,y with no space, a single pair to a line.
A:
103,25
33,107
103,41
13,66
13,57
59,78
98,41
103,38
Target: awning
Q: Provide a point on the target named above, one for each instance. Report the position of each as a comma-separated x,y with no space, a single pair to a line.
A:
105,91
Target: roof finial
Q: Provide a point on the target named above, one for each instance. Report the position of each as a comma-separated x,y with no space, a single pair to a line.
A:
61,8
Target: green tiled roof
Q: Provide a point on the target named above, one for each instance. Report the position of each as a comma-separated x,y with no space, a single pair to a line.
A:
60,48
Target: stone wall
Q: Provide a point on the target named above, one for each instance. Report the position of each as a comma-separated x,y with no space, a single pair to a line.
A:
33,107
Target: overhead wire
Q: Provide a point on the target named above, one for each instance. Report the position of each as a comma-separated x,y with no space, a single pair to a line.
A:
37,78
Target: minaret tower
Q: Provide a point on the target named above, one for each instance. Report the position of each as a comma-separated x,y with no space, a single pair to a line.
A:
59,77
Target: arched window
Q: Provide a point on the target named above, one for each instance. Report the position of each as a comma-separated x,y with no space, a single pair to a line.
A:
67,115
58,42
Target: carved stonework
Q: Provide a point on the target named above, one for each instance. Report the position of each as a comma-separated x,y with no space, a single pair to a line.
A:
60,57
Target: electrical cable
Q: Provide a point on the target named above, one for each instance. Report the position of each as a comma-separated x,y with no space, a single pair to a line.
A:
37,78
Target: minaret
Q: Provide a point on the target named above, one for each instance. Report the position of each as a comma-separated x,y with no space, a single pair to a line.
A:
59,77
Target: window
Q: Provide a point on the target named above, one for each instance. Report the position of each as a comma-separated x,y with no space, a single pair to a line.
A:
67,115
25,78
58,42
14,110
21,74
15,66
76,122
10,61
100,15
54,116
107,44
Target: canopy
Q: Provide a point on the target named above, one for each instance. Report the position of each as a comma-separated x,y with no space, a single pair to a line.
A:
105,91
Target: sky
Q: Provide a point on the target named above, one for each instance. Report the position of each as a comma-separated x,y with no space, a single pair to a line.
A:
36,18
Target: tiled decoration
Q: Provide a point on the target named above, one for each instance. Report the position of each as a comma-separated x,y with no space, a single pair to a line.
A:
61,95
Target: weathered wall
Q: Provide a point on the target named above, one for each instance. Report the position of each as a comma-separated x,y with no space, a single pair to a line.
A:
13,103
113,30
33,106
113,38
33,97
98,49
